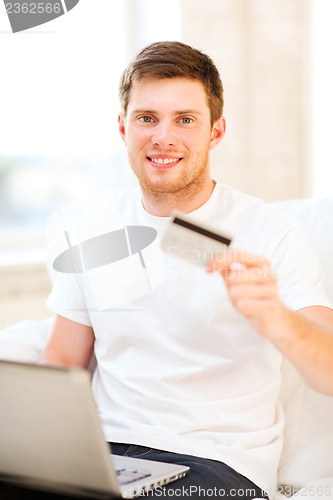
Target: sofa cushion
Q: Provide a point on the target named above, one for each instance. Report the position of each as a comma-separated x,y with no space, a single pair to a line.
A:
24,341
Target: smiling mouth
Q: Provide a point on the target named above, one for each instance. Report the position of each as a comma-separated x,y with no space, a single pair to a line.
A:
163,162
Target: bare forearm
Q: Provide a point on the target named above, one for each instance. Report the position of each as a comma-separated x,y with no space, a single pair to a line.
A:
309,346
54,357
71,344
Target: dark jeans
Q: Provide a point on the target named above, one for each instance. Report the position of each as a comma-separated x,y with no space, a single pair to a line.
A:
205,479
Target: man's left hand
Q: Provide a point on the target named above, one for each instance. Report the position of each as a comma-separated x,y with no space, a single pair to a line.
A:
253,289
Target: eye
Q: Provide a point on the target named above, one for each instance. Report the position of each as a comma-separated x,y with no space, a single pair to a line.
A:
146,119
186,120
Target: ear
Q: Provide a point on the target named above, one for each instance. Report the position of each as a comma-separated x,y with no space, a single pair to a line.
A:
218,132
121,126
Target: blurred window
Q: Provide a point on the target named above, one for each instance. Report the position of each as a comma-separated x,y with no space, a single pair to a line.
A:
59,106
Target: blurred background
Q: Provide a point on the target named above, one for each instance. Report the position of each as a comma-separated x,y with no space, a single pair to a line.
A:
59,104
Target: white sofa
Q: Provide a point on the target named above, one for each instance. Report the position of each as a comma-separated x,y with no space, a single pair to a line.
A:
306,466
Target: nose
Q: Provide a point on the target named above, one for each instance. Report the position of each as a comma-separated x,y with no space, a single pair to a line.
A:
163,135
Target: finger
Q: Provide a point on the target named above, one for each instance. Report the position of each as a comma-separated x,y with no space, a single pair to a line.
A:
243,292
226,259
253,275
254,308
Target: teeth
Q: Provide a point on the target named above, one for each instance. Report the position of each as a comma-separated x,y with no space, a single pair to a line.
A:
164,160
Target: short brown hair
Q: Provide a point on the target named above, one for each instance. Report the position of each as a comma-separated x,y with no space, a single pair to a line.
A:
172,60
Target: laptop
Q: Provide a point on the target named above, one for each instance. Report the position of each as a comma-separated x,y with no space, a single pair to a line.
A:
51,438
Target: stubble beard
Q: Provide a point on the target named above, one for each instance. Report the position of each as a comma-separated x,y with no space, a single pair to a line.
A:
188,182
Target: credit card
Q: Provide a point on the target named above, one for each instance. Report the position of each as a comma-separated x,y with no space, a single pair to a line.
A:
196,243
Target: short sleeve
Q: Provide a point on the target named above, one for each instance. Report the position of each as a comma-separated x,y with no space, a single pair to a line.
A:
299,271
68,299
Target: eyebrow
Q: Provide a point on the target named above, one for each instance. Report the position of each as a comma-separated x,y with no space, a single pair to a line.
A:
155,112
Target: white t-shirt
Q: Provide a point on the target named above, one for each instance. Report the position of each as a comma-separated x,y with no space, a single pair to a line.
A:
179,368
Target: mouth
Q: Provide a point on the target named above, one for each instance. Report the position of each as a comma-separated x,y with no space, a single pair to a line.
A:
163,161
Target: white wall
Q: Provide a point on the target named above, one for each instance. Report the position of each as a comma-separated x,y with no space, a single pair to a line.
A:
23,291
322,102
261,49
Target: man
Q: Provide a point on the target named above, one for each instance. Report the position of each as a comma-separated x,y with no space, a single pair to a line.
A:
188,370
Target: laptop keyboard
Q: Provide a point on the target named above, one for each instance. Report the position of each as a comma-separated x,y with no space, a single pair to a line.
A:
126,476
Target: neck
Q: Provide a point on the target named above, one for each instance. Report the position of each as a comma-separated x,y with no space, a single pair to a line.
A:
187,199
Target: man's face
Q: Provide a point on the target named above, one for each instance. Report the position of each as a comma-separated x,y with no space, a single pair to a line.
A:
168,133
